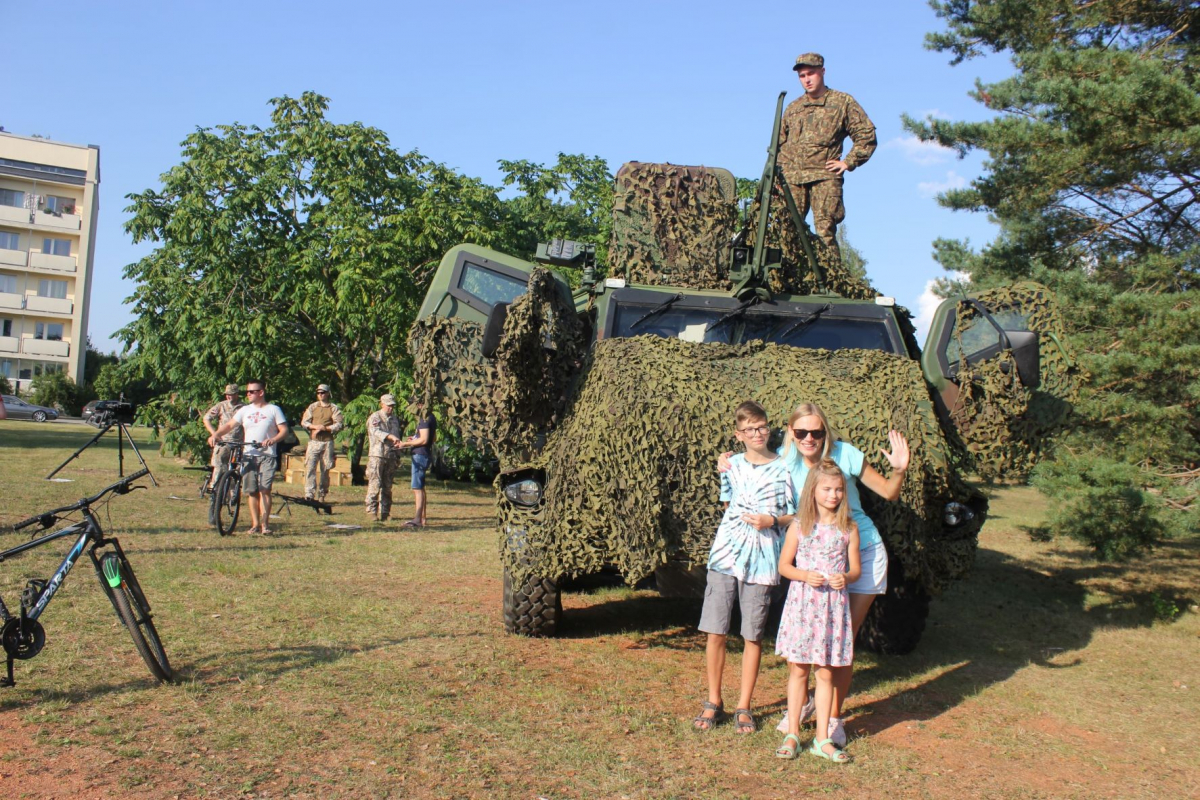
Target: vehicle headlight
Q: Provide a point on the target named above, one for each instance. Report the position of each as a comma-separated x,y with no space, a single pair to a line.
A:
956,514
527,492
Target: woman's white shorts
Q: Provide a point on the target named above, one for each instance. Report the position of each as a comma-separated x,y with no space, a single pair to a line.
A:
874,571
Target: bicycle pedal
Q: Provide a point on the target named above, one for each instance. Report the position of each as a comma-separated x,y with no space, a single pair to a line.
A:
33,590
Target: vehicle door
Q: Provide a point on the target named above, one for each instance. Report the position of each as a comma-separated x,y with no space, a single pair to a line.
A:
1003,378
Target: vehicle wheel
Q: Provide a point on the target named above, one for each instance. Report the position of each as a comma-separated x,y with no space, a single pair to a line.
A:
533,609
897,619
39,416
135,615
228,500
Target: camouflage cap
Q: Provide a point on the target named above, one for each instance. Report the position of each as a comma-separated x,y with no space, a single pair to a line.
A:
324,387
809,60
388,400
231,388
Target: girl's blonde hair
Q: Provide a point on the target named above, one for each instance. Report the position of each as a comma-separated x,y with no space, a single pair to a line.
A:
809,513
790,453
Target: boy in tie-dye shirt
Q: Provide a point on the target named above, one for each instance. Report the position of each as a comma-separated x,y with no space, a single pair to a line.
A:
744,561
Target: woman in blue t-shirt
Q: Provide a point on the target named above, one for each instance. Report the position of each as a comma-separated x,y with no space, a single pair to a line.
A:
809,439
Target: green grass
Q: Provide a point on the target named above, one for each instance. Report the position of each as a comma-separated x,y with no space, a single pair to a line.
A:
372,664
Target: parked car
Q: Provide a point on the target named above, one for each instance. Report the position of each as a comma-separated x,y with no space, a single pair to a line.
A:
19,409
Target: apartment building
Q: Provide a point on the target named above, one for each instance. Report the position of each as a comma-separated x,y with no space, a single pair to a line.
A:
48,207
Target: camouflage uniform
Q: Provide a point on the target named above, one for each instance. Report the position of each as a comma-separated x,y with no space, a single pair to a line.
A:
217,416
812,133
320,455
381,463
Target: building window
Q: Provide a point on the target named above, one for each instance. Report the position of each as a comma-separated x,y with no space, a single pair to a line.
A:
6,327
56,289
6,368
12,197
8,284
56,247
50,331
9,241
58,205
32,369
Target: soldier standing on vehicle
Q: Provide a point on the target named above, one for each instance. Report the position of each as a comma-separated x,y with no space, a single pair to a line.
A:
383,433
215,417
322,420
814,128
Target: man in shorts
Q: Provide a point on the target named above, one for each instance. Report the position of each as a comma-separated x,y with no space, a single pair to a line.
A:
421,443
264,424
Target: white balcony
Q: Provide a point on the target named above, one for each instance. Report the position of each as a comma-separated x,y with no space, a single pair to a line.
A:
14,258
53,263
67,222
44,347
8,300
8,344
50,305
14,214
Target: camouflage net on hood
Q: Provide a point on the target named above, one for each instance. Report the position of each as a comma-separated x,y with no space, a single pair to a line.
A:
631,473
1004,426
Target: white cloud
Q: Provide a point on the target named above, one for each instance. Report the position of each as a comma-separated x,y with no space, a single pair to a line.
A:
919,152
932,188
936,113
928,302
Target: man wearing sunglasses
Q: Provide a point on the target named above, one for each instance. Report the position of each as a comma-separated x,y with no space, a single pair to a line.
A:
264,423
322,420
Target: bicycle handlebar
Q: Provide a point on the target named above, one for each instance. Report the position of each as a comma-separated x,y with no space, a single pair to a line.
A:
46,518
236,443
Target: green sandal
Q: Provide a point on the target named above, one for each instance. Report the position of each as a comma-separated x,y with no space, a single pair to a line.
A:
790,747
837,757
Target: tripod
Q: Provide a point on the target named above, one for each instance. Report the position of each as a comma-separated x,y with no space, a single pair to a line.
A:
121,427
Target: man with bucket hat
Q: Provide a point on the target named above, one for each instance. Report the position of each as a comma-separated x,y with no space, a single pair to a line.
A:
322,419
383,434
214,418
811,136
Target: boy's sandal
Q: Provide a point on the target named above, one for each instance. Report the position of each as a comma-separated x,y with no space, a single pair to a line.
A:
837,756
790,747
744,726
703,723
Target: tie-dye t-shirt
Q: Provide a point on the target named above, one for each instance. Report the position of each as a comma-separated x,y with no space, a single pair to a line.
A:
740,549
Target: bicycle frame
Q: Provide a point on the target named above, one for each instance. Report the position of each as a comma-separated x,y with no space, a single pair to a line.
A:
87,530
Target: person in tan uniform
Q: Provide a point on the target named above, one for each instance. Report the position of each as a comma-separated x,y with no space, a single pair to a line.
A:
383,433
813,130
214,418
322,420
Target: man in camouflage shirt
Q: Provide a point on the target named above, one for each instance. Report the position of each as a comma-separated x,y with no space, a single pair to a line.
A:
214,418
322,420
810,146
383,433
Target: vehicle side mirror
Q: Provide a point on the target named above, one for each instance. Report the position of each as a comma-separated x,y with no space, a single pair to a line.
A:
493,329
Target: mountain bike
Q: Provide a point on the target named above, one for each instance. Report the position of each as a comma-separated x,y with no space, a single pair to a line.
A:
226,500
23,637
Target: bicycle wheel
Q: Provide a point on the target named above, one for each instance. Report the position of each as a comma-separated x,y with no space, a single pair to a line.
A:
134,614
228,498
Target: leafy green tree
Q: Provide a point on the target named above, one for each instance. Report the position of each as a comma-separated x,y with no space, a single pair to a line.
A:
5,386
298,252
1094,178
57,390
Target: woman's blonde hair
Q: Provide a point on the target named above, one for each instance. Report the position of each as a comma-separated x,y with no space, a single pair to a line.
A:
790,453
809,513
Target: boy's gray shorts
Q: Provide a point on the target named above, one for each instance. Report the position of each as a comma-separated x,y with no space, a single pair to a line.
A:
721,592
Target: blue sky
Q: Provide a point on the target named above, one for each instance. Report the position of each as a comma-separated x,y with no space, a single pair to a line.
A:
468,83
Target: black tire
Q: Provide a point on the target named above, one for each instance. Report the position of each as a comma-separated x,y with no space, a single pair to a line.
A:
228,501
39,416
897,619
534,609
135,616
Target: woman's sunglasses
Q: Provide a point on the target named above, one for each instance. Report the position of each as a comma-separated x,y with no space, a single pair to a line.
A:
801,434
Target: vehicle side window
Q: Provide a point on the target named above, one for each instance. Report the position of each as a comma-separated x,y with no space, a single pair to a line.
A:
489,286
977,334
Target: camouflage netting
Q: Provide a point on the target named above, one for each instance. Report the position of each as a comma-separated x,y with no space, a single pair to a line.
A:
673,225
1004,427
501,405
631,474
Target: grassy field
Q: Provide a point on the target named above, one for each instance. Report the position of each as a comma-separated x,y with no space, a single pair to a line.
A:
371,663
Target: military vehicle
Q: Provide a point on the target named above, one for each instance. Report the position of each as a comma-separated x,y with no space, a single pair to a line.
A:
608,405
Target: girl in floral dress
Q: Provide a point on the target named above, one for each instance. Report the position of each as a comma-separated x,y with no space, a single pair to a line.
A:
820,556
